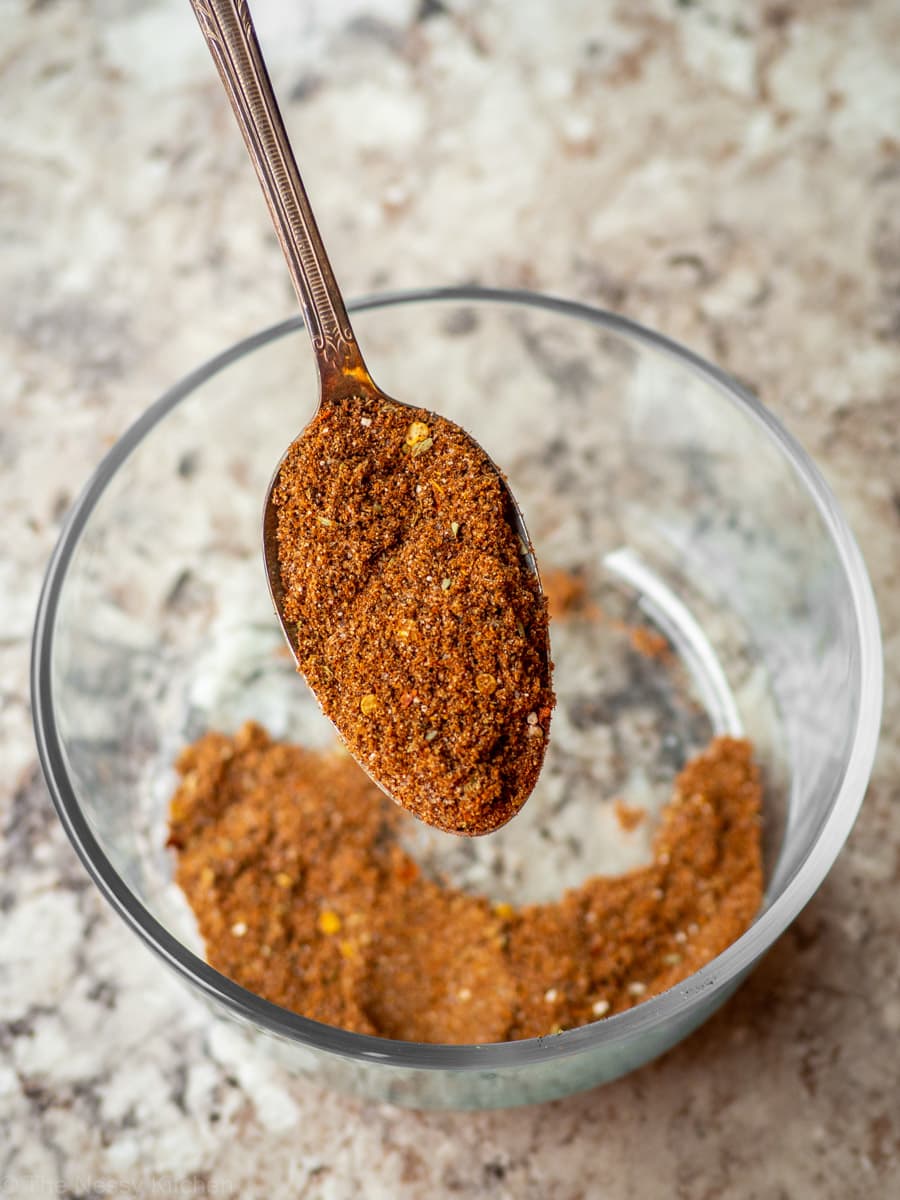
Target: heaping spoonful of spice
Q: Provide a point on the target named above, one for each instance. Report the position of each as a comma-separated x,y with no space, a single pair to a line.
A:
397,557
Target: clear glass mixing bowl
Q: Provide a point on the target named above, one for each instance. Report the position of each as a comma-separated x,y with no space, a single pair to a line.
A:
671,493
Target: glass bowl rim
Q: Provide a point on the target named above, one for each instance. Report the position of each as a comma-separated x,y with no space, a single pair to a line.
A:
644,1020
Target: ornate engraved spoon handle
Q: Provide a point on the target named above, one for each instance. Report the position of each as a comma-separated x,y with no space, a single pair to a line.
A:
228,29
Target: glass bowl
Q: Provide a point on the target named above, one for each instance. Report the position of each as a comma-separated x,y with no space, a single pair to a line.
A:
671,495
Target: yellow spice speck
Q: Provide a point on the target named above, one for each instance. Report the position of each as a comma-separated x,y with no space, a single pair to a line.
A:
417,432
329,922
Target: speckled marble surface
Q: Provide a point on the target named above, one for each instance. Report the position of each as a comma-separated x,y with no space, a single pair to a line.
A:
727,173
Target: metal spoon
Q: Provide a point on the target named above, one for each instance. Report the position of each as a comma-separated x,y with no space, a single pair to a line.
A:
230,35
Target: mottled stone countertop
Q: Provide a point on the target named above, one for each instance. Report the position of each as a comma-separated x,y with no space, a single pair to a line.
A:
728,173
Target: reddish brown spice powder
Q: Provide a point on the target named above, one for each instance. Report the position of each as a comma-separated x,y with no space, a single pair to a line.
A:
629,816
566,592
649,642
291,862
420,626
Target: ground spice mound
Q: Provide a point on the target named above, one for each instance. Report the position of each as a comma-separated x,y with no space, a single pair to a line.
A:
419,625
291,863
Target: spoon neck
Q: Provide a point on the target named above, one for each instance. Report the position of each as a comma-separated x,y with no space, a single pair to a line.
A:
342,373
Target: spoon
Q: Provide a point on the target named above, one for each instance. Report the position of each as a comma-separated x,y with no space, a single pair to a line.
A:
230,35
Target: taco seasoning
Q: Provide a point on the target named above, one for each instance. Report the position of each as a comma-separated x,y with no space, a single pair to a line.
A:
292,862
419,625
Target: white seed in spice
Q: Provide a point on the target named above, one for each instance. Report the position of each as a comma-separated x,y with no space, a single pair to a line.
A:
600,1008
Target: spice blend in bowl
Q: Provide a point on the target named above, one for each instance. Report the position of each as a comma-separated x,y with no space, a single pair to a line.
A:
420,624
292,863
671,497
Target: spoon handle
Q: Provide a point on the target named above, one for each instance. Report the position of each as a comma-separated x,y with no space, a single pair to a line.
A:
228,29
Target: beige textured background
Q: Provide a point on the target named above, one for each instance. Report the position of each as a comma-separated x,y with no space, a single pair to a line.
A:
726,172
